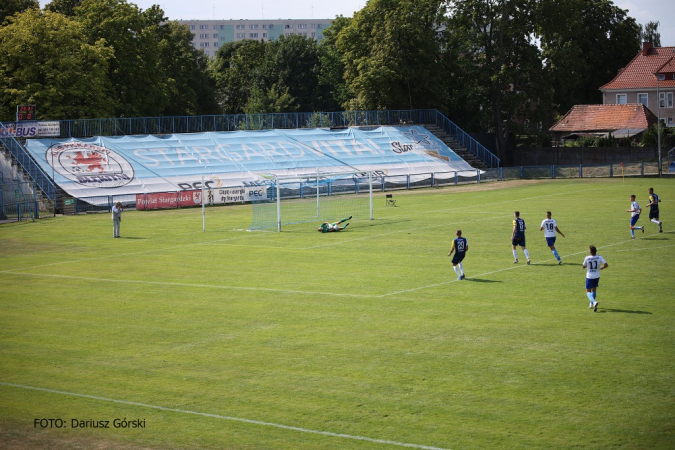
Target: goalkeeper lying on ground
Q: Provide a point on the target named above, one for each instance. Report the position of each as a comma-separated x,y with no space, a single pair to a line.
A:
327,227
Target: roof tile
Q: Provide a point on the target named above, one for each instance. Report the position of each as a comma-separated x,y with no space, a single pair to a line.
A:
639,73
594,118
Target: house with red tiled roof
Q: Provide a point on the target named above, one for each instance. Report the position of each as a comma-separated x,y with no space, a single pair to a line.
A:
648,79
619,120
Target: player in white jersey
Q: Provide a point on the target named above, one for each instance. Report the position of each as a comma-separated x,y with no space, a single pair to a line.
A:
634,211
550,227
594,264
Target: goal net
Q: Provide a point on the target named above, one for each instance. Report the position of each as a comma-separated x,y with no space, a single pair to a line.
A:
324,197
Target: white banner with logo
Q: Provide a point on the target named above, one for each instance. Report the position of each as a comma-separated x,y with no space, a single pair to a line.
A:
31,129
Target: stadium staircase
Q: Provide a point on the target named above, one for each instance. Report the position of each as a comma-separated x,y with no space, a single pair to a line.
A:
456,147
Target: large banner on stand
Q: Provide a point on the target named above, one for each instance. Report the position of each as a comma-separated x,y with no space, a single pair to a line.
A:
123,165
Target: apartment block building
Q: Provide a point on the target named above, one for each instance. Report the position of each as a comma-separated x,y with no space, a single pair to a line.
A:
211,34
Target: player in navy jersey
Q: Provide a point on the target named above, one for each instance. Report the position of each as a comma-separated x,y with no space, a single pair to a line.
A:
654,201
594,263
634,211
459,247
518,237
550,227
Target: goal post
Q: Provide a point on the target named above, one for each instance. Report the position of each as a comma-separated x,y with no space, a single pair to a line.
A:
316,197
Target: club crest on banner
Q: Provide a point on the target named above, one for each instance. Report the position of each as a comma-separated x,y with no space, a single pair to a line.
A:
90,165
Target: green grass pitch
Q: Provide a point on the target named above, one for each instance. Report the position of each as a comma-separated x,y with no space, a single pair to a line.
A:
228,339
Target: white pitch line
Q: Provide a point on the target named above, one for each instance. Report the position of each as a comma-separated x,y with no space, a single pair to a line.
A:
230,418
196,285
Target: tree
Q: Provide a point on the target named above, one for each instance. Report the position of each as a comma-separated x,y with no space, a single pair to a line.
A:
237,70
584,43
141,87
332,68
65,7
44,60
391,54
10,7
502,58
190,89
650,33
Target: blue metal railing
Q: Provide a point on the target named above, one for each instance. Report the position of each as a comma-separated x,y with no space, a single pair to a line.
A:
467,141
43,181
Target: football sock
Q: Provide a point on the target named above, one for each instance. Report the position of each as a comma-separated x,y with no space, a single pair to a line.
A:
456,269
595,294
590,296
527,254
555,253
461,268
632,232
515,254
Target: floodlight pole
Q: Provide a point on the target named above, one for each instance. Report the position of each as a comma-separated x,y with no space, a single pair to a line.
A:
370,192
278,205
658,129
203,206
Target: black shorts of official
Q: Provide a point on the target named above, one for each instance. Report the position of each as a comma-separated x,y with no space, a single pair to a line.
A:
458,258
653,215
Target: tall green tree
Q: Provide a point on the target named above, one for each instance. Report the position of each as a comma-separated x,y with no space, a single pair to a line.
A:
584,43
332,72
65,7
502,59
650,33
237,70
190,89
10,7
45,60
391,53
136,73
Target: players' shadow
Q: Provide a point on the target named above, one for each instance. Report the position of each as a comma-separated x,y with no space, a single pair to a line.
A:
131,237
626,311
482,280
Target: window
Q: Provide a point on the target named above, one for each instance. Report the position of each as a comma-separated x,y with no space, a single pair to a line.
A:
192,27
302,34
215,27
264,35
203,44
288,26
203,27
207,53
222,27
313,34
241,35
669,100
271,26
253,26
642,98
253,35
621,99
215,35
302,26
203,36
662,99
662,77
313,26
241,27
215,44
319,26
264,26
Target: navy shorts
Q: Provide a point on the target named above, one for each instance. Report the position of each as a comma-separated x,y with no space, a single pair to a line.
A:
592,283
653,215
518,241
550,241
458,258
634,219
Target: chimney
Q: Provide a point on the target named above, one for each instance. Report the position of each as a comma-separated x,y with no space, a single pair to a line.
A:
646,46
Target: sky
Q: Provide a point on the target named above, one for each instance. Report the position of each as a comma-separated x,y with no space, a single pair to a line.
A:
642,11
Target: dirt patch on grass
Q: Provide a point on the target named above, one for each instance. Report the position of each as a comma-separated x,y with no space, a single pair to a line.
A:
21,437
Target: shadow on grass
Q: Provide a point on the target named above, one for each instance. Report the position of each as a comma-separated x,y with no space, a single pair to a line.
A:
482,280
131,237
626,311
